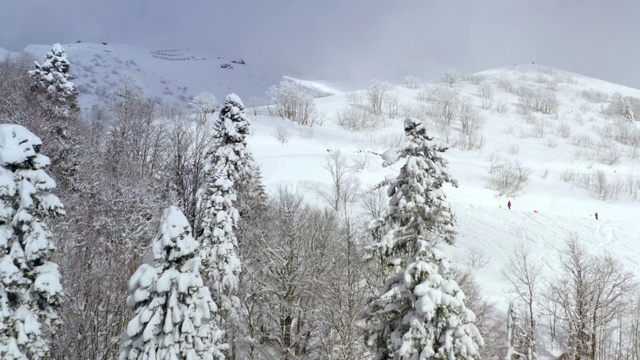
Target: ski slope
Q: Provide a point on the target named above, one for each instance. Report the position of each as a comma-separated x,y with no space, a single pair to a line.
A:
547,213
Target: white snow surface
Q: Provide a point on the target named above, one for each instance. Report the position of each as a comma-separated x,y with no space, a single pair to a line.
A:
169,74
16,144
541,218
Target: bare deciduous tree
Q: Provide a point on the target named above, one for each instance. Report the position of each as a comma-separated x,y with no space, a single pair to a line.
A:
411,82
293,102
444,104
205,103
451,77
343,188
524,275
590,292
391,105
486,95
376,93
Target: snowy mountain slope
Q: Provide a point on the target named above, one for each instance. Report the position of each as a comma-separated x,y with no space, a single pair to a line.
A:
566,150
176,74
554,205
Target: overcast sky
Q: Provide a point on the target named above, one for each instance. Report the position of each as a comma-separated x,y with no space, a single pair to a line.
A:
352,41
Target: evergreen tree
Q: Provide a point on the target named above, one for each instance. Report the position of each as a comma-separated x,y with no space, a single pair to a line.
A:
53,80
30,290
174,312
420,314
58,99
230,168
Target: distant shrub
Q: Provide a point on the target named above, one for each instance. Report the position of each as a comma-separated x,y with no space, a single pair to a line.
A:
501,108
391,105
505,85
470,141
451,78
551,142
355,98
601,186
291,101
377,94
357,119
444,104
563,130
486,95
540,100
583,141
471,120
594,96
475,79
608,155
538,129
419,112
625,107
508,177
411,82
283,135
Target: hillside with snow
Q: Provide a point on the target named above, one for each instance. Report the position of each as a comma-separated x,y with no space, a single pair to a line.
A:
573,140
580,156
165,74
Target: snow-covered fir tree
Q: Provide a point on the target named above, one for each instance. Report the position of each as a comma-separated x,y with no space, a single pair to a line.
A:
53,80
230,167
175,316
58,98
420,314
30,290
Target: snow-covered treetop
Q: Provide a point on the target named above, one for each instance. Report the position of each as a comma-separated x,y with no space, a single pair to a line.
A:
232,126
174,239
55,61
234,99
417,203
57,50
53,78
19,145
174,312
204,102
128,88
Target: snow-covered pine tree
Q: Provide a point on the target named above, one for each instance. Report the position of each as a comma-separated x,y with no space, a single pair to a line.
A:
230,167
30,290
54,81
58,98
420,314
175,317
